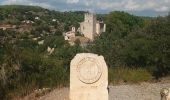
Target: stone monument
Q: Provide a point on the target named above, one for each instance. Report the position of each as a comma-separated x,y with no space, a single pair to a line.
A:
88,77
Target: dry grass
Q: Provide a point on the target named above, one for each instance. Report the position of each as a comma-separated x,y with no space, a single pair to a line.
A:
131,75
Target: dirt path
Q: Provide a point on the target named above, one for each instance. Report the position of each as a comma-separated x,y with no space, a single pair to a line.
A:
58,94
144,91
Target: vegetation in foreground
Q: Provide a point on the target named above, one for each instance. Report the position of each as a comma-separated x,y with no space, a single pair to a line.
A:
140,44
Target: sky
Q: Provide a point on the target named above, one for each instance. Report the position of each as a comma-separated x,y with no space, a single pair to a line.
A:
136,7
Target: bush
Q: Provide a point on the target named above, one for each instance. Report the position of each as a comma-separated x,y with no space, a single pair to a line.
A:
132,75
2,91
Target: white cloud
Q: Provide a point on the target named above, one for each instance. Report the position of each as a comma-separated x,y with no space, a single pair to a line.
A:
88,3
109,5
72,1
162,9
131,5
44,5
27,2
14,2
98,5
135,5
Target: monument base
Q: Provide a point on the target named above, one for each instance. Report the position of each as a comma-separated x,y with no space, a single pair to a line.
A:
89,95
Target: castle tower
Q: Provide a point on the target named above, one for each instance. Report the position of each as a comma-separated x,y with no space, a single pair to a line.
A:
88,27
100,27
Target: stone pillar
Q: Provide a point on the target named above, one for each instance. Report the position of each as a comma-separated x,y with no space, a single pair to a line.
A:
88,77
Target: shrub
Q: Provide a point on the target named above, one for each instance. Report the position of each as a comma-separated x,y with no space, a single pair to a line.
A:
2,91
132,75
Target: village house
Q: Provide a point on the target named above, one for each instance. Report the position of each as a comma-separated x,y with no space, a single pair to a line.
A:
41,42
70,35
26,26
54,20
37,18
28,22
7,26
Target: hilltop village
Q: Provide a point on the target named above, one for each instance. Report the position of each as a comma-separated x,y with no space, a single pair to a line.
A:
87,30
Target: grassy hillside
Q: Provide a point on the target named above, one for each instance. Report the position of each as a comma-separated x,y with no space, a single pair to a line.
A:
26,65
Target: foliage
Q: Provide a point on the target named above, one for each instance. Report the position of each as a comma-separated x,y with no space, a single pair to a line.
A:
131,41
120,75
122,23
28,66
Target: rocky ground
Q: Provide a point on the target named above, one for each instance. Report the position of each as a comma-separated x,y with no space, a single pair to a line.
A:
143,91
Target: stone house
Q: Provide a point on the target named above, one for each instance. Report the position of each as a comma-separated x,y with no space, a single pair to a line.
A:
71,34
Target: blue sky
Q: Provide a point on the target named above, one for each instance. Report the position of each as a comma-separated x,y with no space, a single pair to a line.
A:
137,7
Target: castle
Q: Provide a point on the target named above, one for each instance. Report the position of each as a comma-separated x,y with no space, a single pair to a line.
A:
89,28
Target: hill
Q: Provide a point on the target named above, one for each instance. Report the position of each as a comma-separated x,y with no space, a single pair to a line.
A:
15,14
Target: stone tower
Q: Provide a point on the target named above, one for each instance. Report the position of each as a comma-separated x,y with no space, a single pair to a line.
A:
88,27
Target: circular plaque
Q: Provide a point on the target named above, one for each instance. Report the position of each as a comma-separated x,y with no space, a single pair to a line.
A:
89,70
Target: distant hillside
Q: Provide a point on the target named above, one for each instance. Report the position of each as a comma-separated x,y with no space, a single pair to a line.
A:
20,7
14,14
